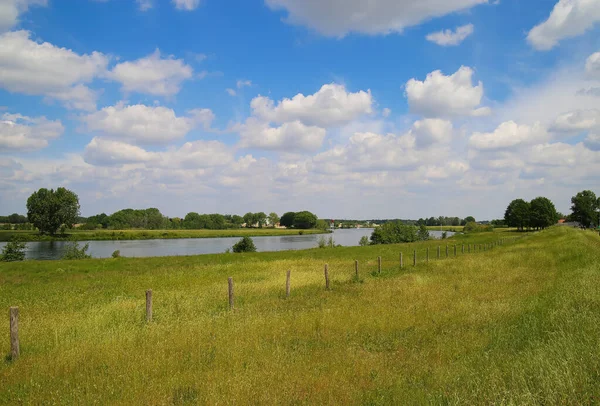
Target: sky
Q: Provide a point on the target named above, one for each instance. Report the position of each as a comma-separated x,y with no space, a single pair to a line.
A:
346,108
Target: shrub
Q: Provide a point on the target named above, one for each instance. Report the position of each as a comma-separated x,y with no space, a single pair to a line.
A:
394,232
300,232
244,245
423,233
473,227
322,242
73,251
444,235
13,251
364,241
116,254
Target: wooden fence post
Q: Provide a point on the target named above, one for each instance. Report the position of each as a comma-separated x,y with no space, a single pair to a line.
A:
415,258
149,305
15,349
231,295
439,249
427,254
446,250
454,249
288,283
326,277
401,261
463,248
469,248
379,264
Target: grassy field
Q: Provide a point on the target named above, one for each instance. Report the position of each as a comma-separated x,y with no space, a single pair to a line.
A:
90,235
445,228
516,324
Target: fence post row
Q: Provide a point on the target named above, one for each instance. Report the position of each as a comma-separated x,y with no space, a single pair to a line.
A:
15,349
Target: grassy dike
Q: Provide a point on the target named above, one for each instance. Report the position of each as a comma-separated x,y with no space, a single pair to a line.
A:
517,324
95,235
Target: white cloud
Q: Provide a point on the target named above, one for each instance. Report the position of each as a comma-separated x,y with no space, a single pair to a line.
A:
592,141
198,154
592,66
340,17
243,83
451,38
22,133
331,106
105,152
145,5
430,132
578,120
509,135
444,96
568,19
289,137
152,75
145,124
43,69
10,10
186,4
231,92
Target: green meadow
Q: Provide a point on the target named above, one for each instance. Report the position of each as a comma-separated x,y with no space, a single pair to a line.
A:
514,324
93,235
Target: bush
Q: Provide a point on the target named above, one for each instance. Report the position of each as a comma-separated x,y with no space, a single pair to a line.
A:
423,233
73,251
116,254
444,235
364,241
244,245
322,242
13,251
473,227
394,232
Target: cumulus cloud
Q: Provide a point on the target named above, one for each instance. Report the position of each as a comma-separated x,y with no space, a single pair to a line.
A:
34,68
592,66
10,10
578,120
291,136
106,152
145,124
152,75
592,141
187,5
22,133
430,132
447,38
331,106
509,135
340,17
568,19
444,96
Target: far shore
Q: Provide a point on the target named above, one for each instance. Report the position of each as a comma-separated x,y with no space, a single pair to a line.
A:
99,235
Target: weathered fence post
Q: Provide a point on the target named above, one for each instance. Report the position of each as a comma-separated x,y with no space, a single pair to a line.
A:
379,264
15,349
288,283
149,305
454,249
415,258
427,254
326,277
401,261
463,248
231,296
439,249
446,250
356,268
469,248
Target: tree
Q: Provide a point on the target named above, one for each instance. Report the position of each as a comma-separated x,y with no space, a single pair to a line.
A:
287,220
423,234
517,214
249,219
305,220
584,206
244,245
237,220
469,219
50,209
273,219
261,219
543,213
13,251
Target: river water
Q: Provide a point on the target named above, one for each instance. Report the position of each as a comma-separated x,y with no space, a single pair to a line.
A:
44,250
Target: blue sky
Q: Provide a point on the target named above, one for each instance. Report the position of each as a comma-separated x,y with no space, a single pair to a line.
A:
397,108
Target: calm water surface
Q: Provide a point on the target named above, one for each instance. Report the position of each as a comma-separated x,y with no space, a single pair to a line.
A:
195,246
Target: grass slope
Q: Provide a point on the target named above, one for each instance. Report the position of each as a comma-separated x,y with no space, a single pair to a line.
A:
517,324
92,235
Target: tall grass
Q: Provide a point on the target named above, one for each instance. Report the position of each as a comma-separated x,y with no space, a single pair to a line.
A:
518,324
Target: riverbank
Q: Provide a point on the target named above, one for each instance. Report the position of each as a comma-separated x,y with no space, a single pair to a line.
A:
513,324
105,235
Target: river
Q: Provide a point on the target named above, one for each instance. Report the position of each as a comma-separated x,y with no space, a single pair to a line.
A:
45,250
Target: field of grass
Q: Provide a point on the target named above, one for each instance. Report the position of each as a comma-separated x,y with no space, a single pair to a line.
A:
445,228
92,235
516,324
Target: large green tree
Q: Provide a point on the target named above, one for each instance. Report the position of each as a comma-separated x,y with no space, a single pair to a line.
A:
287,220
543,213
305,220
48,210
517,214
584,208
273,219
